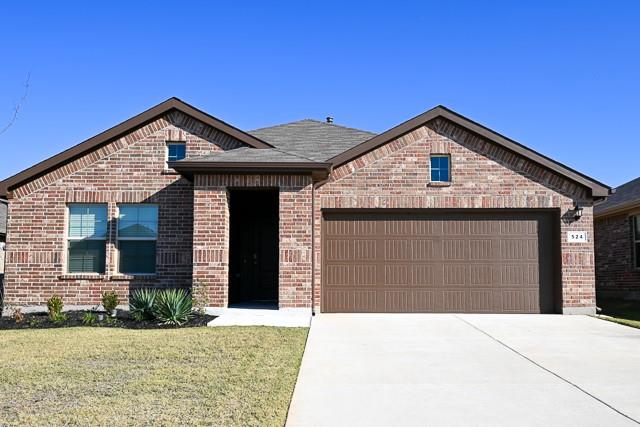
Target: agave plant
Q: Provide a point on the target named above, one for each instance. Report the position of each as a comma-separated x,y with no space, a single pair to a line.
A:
141,304
173,307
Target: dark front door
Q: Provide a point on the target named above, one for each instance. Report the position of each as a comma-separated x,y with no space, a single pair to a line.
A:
253,246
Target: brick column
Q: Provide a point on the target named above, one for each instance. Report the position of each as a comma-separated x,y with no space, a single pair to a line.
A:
211,241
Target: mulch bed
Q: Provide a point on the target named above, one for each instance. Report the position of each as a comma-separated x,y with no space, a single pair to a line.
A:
123,320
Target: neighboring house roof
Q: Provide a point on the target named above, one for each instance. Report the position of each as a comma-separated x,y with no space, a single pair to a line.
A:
313,139
625,197
3,217
305,145
121,129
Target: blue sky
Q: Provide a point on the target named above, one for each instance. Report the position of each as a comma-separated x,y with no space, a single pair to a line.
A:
560,77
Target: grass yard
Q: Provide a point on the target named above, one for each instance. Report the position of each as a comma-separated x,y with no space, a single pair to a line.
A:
198,376
621,311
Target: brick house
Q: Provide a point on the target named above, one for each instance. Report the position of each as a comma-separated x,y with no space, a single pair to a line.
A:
617,232
437,214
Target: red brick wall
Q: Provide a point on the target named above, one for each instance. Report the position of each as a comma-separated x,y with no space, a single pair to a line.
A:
211,235
194,218
128,170
616,275
483,176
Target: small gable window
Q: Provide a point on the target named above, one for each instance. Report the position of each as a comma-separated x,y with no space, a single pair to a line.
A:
176,151
440,168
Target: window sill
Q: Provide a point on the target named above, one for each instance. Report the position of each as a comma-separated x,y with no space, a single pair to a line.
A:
82,276
439,184
133,277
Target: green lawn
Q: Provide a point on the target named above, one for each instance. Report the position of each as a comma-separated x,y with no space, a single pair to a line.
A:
197,376
621,311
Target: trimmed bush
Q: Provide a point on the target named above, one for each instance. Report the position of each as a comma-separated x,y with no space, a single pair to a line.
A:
173,307
141,304
110,301
55,306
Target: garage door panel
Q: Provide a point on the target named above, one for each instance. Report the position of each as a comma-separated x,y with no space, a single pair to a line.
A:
411,301
438,262
351,275
482,275
481,301
352,300
351,250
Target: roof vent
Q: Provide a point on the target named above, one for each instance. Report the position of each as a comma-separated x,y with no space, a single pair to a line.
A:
329,119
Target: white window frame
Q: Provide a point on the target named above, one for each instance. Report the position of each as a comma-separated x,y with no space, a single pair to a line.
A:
138,239
69,239
166,151
446,156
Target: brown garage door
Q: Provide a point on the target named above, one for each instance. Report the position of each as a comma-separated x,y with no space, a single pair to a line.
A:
477,261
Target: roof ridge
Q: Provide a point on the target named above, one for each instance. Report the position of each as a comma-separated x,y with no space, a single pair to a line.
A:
314,121
628,182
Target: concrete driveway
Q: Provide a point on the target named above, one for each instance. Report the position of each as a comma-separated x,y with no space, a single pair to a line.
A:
442,369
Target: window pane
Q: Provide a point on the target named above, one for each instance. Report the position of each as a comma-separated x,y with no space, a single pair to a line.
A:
88,221
138,221
440,169
636,228
176,151
444,174
137,256
86,256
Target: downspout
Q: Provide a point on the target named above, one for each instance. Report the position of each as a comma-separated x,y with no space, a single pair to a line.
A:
314,187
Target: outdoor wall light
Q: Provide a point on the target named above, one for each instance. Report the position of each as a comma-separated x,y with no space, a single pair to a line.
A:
577,211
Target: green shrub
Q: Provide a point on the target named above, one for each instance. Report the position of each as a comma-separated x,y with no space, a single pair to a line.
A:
89,319
141,304
59,318
55,305
110,301
34,322
173,307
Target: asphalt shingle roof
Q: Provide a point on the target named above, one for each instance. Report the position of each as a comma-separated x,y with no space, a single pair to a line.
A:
312,139
248,154
626,194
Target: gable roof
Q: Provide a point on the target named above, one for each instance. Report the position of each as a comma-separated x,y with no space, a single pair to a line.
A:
312,139
125,127
627,196
597,188
302,145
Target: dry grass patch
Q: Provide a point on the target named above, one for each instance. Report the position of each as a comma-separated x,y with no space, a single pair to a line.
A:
201,376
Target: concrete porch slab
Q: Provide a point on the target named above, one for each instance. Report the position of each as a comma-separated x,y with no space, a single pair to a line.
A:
290,318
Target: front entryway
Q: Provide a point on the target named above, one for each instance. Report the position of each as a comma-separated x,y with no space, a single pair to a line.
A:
253,248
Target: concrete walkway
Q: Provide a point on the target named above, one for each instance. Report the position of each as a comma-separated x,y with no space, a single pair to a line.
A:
288,318
456,370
